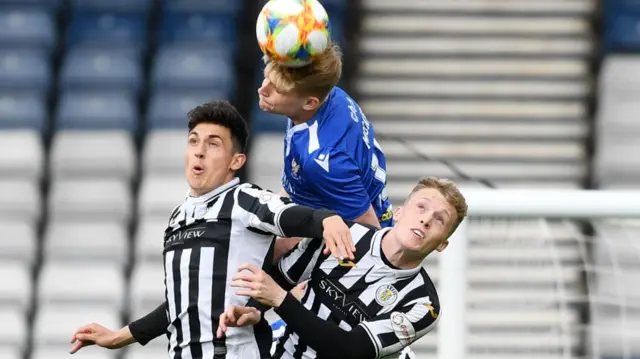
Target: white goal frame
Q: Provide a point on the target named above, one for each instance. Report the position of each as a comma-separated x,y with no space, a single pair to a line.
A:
514,203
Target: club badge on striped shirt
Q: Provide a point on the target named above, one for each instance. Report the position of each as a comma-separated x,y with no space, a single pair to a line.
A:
386,295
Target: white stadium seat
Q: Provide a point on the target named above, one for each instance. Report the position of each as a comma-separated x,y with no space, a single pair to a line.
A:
163,152
159,195
266,171
20,199
13,331
55,324
149,239
10,352
20,242
156,349
96,154
15,286
146,290
86,241
62,352
81,283
21,154
90,200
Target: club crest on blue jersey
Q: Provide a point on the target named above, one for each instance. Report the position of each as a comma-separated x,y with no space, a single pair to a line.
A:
295,168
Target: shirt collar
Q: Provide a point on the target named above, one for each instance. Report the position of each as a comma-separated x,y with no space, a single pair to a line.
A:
209,195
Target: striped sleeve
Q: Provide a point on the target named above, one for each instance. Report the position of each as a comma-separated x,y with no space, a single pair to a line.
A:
261,209
391,332
297,265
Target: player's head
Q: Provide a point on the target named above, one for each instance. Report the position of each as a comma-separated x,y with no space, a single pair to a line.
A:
215,145
430,214
295,91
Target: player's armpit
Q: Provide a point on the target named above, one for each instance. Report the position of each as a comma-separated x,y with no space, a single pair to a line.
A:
335,342
369,217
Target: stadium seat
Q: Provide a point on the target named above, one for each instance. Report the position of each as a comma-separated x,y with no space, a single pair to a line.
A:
21,244
140,6
21,154
52,5
22,111
199,30
15,286
181,69
10,352
88,283
62,352
101,69
168,110
97,111
85,241
159,195
155,349
149,239
108,30
267,173
23,27
27,70
211,6
163,152
93,154
53,323
90,200
20,200
13,331
146,289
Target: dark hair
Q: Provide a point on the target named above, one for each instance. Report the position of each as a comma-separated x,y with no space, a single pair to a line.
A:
222,113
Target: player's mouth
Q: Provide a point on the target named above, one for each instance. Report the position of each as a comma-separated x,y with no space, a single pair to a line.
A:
197,170
418,233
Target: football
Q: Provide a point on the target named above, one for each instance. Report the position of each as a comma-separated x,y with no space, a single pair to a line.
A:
293,32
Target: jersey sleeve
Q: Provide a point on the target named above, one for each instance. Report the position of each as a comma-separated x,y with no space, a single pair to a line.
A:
296,266
336,177
392,332
262,209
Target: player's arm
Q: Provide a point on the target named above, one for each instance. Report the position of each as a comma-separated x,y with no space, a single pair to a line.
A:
150,326
265,212
381,336
296,266
336,177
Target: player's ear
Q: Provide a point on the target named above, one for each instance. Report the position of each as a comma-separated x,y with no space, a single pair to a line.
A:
311,103
443,246
238,160
397,213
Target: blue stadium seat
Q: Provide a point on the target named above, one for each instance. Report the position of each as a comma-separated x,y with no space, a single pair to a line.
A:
27,27
112,5
168,110
186,29
42,4
267,122
102,69
108,30
184,69
78,110
22,111
24,70
201,6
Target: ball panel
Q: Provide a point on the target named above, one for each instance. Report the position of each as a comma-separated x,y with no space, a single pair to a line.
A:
317,41
261,29
286,40
318,11
284,7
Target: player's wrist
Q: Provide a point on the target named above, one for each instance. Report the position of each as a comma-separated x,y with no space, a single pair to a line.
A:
279,298
122,338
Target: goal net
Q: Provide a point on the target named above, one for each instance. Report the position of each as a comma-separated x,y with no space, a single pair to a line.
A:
540,274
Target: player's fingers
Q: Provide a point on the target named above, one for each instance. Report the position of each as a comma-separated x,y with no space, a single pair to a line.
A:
76,346
84,329
86,337
219,333
244,276
244,284
343,249
249,267
331,247
246,293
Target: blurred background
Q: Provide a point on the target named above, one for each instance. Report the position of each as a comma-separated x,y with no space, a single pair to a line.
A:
504,93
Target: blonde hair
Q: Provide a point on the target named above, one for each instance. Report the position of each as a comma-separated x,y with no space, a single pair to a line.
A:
449,191
316,79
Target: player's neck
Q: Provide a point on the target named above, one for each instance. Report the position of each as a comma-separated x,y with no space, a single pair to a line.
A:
303,117
396,255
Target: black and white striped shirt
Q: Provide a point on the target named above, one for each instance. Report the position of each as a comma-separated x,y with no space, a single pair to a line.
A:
207,239
395,307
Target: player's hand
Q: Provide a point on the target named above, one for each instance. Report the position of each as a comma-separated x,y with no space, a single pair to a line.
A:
237,316
337,237
298,291
257,284
96,334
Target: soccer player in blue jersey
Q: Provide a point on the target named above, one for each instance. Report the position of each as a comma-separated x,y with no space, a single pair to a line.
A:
331,157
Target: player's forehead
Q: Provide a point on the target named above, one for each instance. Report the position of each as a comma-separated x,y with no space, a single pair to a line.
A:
435,199
276,80
210,130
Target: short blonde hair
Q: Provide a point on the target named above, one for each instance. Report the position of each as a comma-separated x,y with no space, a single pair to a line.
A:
449,191
316,79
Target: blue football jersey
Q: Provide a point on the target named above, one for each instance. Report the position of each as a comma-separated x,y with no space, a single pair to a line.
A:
333,161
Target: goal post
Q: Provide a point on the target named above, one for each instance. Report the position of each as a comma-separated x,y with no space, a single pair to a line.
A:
511,203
